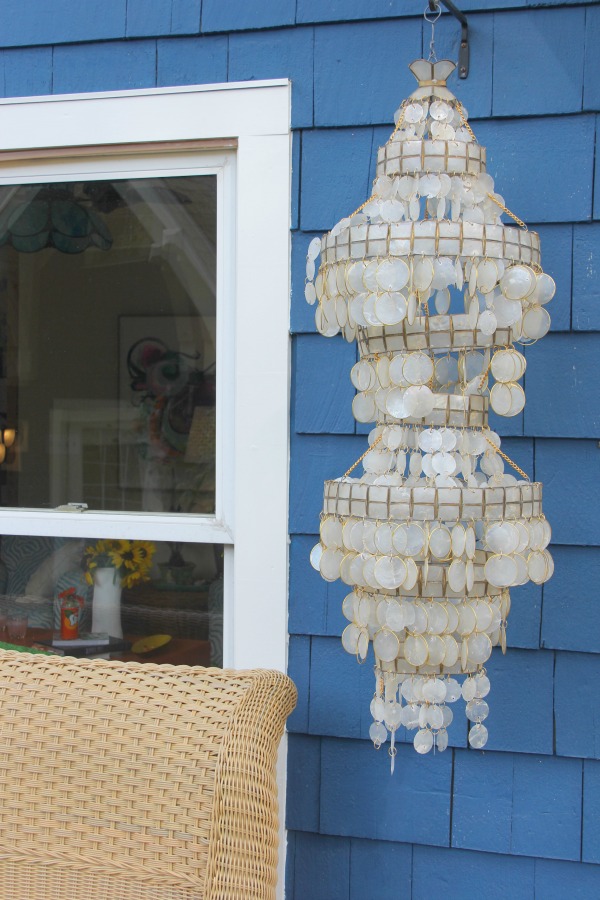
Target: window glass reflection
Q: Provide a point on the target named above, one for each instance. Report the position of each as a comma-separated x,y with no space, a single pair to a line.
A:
108,344
178,596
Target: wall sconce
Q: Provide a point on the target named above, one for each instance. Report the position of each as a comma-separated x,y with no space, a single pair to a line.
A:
7,439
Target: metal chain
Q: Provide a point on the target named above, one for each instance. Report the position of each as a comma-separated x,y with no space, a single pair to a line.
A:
504,208
463,119
486,373
508,212
497,450
360,458
505,457
399,123
362,206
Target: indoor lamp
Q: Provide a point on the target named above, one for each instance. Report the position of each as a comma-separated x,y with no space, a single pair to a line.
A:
7,439
50,215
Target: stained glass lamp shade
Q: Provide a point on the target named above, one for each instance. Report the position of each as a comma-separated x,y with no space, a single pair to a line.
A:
51,216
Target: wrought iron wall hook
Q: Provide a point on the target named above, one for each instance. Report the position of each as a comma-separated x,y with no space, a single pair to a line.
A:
463,53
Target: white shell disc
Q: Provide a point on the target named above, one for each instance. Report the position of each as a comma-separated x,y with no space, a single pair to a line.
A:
329,565
507,365
354,276
452,650
501,571
430,440
411,312
386,645
441,301
502,537
362,375
331,533
417,368
413,113
518,282
507,312
315,556
395,404
457,576
487,322
544,289
350,637
390,309
416,650
363,408
458,540
412,574
314,248
390,572
536,323
392,274
418,401
487,275
436,648
415,543
422,274
507,399
440,542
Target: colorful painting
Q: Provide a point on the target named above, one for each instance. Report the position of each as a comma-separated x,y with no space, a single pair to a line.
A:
167,382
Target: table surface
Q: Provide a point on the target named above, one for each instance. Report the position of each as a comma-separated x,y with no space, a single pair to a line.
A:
166,596
179,651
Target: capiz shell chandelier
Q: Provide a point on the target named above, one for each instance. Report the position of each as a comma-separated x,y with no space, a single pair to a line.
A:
436,290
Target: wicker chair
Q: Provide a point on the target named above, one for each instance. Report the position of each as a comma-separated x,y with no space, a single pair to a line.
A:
121,781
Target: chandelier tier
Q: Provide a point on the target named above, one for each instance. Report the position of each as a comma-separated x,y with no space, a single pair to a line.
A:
436,530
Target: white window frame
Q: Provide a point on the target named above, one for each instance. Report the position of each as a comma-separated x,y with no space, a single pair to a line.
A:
246,127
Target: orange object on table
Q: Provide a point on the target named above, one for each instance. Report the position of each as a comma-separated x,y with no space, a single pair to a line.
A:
71,605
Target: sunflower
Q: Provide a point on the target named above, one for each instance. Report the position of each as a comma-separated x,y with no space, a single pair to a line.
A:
143,552
132,560
123,556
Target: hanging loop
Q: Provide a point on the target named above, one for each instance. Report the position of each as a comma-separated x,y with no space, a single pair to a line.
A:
432,12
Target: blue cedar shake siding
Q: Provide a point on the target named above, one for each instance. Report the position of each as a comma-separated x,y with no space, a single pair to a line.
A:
520,819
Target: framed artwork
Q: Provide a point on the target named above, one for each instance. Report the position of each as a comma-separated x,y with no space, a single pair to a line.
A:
167,383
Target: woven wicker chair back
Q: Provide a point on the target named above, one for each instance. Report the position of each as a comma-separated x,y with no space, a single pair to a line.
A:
122,781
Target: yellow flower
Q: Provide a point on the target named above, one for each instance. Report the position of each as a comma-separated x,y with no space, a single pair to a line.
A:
131,559
122,557
143,551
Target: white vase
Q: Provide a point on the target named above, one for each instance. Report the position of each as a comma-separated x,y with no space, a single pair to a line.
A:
106,603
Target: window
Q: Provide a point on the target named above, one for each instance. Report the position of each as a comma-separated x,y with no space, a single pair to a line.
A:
145,353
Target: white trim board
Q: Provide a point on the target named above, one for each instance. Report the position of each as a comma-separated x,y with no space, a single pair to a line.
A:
259,108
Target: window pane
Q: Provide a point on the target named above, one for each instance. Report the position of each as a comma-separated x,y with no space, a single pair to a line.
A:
180,595
107,340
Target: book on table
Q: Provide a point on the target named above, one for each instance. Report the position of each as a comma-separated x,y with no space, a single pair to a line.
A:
85,639
114,645
107,644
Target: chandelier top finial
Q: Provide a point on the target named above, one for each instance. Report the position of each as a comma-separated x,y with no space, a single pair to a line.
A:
432,78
